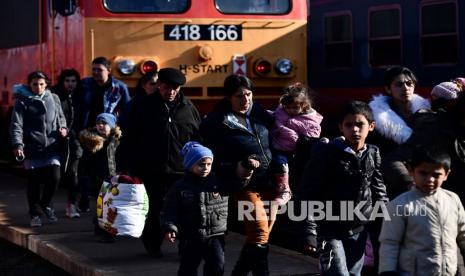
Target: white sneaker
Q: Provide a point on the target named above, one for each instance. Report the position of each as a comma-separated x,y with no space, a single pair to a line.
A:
36,221
71,211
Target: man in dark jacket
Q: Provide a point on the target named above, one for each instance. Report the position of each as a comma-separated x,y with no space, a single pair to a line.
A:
161,124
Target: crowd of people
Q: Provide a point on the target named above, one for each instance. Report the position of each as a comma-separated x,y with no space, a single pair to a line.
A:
393,154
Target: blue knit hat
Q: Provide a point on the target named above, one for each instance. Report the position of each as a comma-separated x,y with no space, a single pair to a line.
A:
193,152
107,118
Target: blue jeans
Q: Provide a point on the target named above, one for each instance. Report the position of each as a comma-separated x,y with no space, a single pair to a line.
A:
342,256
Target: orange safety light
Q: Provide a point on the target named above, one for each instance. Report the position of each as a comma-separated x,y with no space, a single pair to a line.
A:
148,66
263,67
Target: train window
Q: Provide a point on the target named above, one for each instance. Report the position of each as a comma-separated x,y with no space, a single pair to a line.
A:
385,41
439,34
338,41
19,21
147,6
253,7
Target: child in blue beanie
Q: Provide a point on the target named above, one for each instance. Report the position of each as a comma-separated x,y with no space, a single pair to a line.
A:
196,212
98,160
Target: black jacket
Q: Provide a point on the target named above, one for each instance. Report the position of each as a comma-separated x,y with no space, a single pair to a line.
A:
195,208
157,133
231,144
335,175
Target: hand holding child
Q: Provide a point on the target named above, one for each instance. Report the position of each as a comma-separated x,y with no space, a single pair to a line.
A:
170,236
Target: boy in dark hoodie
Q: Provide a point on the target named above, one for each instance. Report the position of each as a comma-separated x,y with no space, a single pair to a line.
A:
196,212
344,171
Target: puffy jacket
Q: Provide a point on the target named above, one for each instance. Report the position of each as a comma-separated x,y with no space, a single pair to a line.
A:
196,208
335,175
287,129
35,123
231,143
156,134
422,234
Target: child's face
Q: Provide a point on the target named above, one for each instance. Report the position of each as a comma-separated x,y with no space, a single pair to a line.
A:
103,128
429,177
203,167
293,109
355,128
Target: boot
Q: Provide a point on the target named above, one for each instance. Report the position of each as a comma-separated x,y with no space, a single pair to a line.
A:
283,193
259,259
242,266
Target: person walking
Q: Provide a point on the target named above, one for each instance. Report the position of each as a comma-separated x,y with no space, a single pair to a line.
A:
37,129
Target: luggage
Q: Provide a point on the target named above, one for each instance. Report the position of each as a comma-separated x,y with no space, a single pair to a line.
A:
122,206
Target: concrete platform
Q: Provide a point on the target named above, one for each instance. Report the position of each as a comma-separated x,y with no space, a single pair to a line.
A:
71,244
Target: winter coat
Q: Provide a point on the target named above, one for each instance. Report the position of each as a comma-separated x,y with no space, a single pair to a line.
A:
114,98
35,123
436,129
231,143
391,129
334,174
422,234
156,134
195,208
68,105
98,159
286,129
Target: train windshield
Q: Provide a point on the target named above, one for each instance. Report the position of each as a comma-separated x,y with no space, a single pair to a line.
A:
253,6
147,6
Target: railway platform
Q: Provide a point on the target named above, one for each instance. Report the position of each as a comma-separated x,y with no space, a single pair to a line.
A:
71,244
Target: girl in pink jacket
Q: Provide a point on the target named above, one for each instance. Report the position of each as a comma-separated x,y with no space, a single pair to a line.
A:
293,117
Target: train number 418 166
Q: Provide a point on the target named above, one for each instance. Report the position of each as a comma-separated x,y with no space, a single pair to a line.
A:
202,32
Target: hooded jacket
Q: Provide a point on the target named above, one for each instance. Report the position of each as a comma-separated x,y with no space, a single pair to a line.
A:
35,123
422,234
286,129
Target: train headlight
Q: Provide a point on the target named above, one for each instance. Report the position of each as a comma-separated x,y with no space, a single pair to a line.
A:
148,66
283,66
263,67
126,67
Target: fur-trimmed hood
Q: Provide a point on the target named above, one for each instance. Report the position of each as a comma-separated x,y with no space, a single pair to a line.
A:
92,141
388,123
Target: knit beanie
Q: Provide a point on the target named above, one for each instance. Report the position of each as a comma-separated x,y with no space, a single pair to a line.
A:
107,118
193,152
446,90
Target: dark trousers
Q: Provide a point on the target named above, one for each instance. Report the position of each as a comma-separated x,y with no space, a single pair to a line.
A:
39,198
194,251
156,187
69,179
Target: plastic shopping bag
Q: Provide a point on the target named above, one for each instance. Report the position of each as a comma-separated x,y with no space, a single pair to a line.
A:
122,206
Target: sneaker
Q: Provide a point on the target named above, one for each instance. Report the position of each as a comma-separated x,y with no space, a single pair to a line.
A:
50,214
36,222
83,210
71,211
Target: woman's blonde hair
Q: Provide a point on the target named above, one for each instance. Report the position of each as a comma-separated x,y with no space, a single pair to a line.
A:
296,93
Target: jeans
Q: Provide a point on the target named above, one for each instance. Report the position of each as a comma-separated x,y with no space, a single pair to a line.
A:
210,250
342,256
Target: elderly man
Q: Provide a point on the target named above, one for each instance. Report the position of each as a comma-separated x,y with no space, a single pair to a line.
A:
160,126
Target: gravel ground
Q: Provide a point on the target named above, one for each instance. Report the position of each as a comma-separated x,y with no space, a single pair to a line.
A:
17,261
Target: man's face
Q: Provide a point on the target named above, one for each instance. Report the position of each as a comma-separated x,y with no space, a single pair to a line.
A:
100,73
168,91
